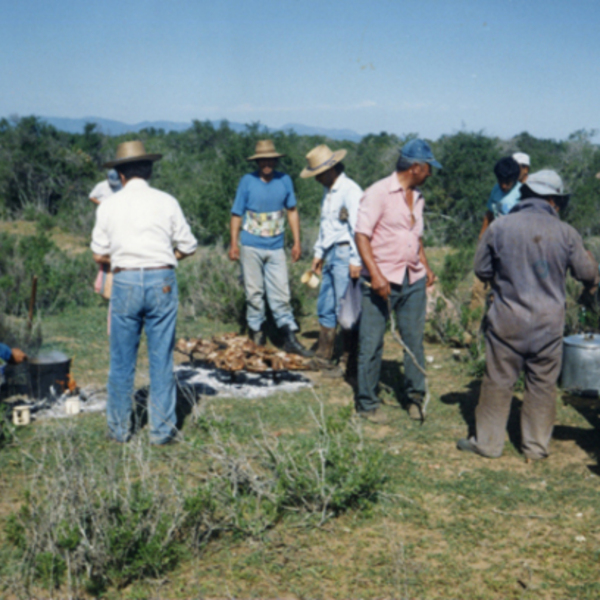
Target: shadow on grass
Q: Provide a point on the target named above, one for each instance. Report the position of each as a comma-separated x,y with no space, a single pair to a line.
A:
392,379
587,439
188,395
467,402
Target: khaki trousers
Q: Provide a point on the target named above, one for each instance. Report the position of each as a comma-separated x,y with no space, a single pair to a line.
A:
503,366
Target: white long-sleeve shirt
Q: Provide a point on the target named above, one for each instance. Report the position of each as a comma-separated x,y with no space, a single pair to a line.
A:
139,227
344,192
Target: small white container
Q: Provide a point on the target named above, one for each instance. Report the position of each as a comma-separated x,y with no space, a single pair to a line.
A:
21,415
72,406
310,279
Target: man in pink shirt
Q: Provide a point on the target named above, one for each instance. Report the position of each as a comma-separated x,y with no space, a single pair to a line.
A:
389,232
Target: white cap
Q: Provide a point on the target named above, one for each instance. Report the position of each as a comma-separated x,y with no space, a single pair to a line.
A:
546,183
522,159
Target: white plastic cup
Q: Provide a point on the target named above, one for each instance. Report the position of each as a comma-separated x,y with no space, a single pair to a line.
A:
21,415
72,406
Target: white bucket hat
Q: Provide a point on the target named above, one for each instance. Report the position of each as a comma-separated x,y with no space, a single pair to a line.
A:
546,183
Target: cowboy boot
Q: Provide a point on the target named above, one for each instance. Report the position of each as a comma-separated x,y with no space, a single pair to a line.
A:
322,359
258,337
415,406
292,346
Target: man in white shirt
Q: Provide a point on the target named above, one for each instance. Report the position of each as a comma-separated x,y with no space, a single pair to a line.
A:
142,233
335,255
107,187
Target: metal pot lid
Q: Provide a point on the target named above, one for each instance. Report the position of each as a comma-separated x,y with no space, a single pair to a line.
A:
583,340
49,358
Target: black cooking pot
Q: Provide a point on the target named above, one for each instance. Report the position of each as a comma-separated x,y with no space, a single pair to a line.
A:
36,376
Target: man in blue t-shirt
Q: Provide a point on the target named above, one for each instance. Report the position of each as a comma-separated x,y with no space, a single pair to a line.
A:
262,201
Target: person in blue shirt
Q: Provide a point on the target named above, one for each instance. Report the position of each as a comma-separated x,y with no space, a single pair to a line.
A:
263,199
505,194
12,355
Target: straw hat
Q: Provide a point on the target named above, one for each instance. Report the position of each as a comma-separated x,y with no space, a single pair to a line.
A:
265,149
320,159
131,152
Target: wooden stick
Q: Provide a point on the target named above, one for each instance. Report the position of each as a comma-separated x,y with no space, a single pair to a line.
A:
32,302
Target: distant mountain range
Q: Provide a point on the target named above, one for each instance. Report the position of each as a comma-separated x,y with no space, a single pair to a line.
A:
110,127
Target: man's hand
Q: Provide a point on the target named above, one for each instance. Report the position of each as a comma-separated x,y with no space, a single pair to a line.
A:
234,252
101,259
317,266
234,231
179,255
18,356
431,278
355,271
296,252
381,286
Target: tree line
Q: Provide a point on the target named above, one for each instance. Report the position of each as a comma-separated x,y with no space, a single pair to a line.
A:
46,173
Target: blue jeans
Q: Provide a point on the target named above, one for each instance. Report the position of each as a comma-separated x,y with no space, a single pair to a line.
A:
265,272
149,299
336,277
408,303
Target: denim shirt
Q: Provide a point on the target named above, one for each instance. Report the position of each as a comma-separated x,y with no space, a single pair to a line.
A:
344,193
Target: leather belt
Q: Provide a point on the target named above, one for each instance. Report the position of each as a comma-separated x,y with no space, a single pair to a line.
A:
343,244
119,269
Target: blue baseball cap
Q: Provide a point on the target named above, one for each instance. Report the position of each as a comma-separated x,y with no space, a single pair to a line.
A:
113,180
418,150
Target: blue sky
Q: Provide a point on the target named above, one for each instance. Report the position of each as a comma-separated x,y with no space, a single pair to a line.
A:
431,67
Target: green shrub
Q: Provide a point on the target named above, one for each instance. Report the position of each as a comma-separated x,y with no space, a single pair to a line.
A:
90,521
331,474
97,524
457,265
63,280
50,569
211,286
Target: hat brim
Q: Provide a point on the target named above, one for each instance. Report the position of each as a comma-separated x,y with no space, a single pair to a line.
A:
336,157
122,161
543,191
435,163
265,155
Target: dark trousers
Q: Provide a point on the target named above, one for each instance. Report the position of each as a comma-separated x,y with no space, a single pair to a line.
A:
408,303
503,366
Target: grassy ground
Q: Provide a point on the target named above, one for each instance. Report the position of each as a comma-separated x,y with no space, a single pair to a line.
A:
448,525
